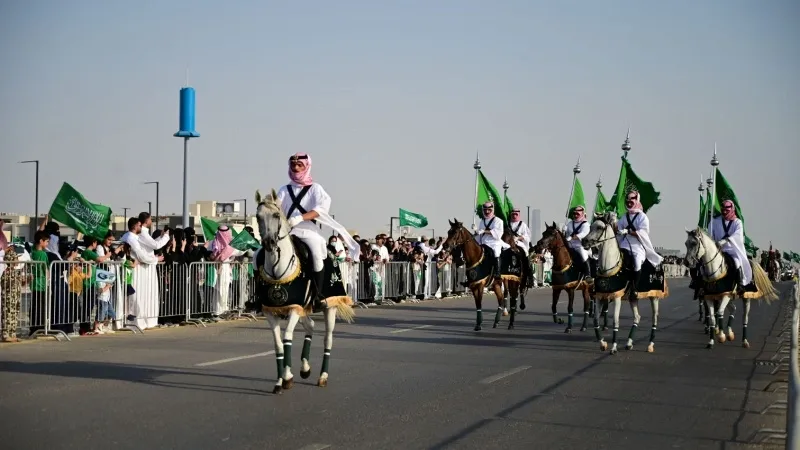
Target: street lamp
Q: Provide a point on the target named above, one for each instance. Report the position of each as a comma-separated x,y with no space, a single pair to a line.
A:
36,201
245,207
157,188
149,207
125,211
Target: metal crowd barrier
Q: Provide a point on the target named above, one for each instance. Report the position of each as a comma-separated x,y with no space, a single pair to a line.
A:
786,360
60,300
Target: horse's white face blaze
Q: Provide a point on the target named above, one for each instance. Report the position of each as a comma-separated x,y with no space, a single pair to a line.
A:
271,222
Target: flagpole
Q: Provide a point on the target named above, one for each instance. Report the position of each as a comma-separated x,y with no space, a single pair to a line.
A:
575,171
505,197
701,188
712,180
477,167
599,186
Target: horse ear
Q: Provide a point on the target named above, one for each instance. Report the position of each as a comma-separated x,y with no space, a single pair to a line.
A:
258,197
554,225
451,223
688,231
274,195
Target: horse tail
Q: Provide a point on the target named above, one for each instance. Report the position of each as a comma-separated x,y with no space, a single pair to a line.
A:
764,284
344,308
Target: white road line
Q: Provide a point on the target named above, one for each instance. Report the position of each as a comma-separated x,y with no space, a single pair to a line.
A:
677,308
409,329
502,375
315,447
237,358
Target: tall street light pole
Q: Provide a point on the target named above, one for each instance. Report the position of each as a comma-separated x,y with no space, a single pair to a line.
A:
36,201
157,188
149,207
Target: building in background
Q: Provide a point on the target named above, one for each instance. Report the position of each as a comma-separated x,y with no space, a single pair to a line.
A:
535,225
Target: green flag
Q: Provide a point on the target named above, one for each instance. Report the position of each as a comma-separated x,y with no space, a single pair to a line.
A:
701,221
577,197
73,210
600,203
411,219
750,247
244,241
795,257
787,256
508,206
628,181
487,193
724,191
209,228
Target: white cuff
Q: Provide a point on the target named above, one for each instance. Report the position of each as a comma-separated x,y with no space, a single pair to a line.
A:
295,220
623,232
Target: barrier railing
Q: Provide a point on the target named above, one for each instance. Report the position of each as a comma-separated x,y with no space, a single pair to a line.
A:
793,397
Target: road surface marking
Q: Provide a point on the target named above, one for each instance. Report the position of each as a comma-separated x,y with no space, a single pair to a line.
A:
409,329
315,447
502,375
237,358
677,308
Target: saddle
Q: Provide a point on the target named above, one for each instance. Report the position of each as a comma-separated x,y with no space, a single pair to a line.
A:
303,254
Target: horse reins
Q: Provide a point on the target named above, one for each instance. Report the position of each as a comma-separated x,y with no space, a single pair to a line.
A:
279,238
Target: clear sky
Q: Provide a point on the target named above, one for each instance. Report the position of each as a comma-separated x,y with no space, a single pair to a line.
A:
393,99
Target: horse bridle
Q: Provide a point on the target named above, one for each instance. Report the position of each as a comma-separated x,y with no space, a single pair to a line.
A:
700,241
278,238
619,250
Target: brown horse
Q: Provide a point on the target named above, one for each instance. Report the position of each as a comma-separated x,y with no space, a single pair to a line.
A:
480,272
515,287
553,240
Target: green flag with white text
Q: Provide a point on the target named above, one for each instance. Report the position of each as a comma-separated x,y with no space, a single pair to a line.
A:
628,181
73,210
412,219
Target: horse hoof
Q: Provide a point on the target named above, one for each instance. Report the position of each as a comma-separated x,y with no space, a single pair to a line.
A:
603,346
651,348
721,338
277,390
505,313
709,346
560,321
511,326
613,351
605,328
288,384
745,344
478,328
323,382
628,347
494,325
305,375
568,331
583,328
731,336
522,306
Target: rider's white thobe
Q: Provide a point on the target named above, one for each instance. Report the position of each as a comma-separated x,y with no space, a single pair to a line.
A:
494,239
582,231
735,244
522,235
315,200
640,246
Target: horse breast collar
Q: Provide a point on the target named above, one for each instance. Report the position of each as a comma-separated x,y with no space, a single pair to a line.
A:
296,200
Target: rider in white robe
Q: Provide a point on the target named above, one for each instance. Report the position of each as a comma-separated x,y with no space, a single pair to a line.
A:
634,236
727,230
522,235
304,203
575,230
490,233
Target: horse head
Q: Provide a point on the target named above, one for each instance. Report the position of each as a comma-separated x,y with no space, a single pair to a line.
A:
457,235
550,237
602,224
695,249
272,224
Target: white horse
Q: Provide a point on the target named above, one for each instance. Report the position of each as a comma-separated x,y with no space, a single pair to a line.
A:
603,236
701,248
281,267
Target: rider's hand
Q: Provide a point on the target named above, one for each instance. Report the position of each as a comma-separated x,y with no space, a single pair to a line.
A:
722,242
295,220
623,232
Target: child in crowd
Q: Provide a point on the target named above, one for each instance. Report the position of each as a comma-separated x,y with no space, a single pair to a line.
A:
106,308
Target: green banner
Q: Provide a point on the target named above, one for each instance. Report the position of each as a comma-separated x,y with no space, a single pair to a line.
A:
577,197
244,241
412,219
628,181
488,193
600,203
73,210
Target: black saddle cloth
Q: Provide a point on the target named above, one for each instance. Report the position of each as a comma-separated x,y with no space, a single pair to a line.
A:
651,279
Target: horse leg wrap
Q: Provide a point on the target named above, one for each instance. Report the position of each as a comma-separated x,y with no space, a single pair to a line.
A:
632,333
306,348
287,353
614,335
744,332
653,334
279,363
326,356
497,315
480,316
730,321
569,320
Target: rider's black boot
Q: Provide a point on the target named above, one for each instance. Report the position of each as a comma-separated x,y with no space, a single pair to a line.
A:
637,276
497,272
740,281
587,272
318,278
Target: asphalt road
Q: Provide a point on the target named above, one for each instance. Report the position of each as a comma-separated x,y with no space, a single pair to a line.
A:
411,376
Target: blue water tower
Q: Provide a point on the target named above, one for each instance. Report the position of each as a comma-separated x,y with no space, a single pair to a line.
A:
186,115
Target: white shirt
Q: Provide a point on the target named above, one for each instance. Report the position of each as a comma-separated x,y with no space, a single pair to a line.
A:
494,238
316,199
638,245
523,234
569,230
735,244
138,252
382,251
